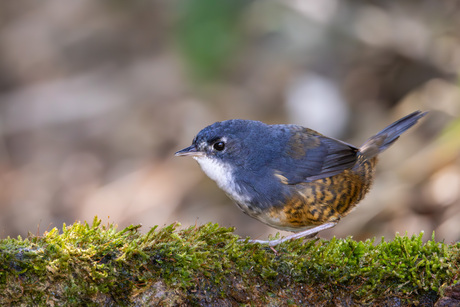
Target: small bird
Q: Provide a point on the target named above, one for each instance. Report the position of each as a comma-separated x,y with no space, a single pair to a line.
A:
290,177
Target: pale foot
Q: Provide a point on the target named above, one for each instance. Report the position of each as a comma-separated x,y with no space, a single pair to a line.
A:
306,233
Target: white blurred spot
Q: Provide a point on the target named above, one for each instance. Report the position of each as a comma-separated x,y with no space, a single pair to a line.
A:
315,102
320,11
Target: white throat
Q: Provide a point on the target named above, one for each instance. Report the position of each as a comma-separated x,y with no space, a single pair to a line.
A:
222,174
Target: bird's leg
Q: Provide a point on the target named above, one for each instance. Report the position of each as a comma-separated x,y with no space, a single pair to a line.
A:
306,233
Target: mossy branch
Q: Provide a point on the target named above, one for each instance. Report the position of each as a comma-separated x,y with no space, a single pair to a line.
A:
99,265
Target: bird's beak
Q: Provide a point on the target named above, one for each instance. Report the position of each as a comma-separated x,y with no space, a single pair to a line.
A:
189,151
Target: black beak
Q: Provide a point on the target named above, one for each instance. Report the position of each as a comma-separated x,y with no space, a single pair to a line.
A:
189,151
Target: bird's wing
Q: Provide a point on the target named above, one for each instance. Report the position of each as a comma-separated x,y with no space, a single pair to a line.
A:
310,156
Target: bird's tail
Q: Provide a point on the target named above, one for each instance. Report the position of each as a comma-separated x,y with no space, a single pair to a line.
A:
382,140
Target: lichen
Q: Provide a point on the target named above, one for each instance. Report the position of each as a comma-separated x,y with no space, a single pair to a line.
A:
98,265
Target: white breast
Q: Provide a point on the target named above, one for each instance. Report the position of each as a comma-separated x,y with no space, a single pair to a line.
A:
222,174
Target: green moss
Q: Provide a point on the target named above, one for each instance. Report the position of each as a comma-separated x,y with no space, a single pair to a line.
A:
97,264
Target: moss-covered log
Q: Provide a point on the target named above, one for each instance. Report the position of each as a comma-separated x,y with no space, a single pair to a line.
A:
207,265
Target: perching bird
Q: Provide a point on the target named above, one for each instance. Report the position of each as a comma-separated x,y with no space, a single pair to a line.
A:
290,177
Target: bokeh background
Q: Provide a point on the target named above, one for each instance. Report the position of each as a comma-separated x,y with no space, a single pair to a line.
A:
96,96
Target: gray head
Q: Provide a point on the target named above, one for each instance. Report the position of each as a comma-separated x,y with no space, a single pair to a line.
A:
230,140
234,149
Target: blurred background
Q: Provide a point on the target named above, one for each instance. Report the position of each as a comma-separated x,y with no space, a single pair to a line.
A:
96,96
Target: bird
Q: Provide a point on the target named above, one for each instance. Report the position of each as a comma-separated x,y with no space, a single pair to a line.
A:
291,177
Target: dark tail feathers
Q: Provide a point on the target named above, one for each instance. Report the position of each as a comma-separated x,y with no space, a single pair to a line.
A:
382,140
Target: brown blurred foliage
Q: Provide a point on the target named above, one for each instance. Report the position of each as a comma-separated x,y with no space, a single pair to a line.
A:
96,96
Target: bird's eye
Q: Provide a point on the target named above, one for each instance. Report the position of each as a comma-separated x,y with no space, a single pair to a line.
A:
219,146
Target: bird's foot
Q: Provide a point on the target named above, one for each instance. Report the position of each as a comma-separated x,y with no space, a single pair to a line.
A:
309,233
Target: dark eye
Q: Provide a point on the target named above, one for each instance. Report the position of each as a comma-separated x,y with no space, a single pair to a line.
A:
219,146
